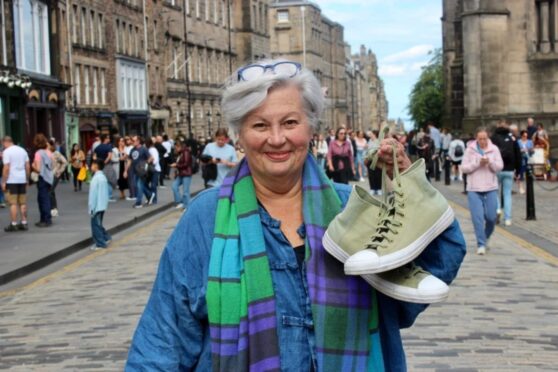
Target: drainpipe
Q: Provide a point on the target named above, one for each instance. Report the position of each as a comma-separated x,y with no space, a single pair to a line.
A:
3,20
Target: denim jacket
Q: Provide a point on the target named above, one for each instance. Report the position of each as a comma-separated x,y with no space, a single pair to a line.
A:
173,332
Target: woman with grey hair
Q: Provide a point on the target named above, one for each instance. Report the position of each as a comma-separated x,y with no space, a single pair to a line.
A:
244,282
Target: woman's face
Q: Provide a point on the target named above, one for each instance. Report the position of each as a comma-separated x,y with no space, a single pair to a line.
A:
275,136
482,139
342,135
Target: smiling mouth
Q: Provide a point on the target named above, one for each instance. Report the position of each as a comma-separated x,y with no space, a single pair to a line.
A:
278,156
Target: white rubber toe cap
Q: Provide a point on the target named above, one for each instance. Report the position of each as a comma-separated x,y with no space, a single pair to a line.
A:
365,261
433,286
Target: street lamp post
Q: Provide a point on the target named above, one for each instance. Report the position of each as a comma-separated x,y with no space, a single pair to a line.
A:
208,123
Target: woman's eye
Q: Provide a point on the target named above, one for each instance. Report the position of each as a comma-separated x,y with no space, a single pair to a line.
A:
291,122
259,126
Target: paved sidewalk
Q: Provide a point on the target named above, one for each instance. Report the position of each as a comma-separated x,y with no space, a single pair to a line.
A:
24,252
543,232
501,313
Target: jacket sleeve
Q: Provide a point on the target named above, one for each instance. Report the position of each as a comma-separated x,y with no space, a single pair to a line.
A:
93,195
470,162
173,332
442,258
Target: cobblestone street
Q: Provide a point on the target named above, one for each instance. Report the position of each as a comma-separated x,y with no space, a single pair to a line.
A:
501,314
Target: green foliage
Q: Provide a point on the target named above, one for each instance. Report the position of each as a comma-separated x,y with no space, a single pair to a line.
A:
426,101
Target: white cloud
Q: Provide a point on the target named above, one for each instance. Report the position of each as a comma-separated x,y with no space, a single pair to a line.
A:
409,54
392,70
417,66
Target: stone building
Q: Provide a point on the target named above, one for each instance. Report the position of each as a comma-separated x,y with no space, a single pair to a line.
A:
371,108
32,95
355,95
300,32
500,61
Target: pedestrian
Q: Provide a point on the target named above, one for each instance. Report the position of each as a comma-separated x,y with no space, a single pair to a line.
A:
531,128
340,160
60,164
104,152
526,149
361,148
15,176
119,153
43,166
456,152
131,177
511,156
169,155
374,175
321,151
138,164
244,283
436,137
154,172
183,176
426,150
2,195
77,161
481,163
222,154
162,151
541,143
98,205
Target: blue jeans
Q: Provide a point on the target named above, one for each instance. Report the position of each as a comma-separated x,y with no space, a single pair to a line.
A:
322,162
153,183
141,190
360,162
99,233
505,181
110,191
483,213
185,182
43,198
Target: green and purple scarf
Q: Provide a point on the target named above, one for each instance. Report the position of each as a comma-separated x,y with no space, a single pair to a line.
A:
240,297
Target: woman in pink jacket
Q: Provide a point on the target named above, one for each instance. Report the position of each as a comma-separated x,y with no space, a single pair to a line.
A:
481,162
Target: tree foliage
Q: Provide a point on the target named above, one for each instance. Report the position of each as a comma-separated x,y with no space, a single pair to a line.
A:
426,101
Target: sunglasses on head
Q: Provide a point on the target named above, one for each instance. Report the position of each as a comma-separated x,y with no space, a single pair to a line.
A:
251,72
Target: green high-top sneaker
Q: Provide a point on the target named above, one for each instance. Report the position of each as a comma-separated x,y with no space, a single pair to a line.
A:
409,283
350,230
349,233
415,213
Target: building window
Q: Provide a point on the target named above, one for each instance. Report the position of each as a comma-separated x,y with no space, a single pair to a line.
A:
95,86
283,16
198,8
131,87
100,28
103,88
155,46
187,5
224,12
75,21
92,29
174,62
77,85
206,5
137,37
546,26
118,36
86,84
32,36
83,25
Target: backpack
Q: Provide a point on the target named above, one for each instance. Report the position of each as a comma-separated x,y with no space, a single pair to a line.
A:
506,145
458,151
140,169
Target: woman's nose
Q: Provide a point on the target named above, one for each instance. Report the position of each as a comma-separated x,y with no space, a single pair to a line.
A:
276,136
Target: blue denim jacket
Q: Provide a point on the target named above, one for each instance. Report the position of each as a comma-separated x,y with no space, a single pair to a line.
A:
173,332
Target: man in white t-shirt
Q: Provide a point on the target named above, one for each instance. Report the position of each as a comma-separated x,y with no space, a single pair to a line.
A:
14,182
222,154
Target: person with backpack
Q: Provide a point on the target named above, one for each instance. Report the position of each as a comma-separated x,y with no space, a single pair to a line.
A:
43,166
511,155
138,162
184,170
455,153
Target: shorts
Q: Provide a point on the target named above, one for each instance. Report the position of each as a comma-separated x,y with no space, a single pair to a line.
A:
456,162
16,193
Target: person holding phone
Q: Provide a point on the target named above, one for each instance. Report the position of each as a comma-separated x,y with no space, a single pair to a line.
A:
222,154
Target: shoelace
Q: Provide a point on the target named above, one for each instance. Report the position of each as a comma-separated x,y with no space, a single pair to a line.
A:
410,270
393,203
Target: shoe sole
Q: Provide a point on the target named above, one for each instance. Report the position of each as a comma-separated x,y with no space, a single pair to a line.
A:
403,293
401,257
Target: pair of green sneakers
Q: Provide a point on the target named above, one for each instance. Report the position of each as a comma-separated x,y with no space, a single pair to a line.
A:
379,239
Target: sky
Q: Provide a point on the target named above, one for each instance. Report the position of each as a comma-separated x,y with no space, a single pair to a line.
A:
399,32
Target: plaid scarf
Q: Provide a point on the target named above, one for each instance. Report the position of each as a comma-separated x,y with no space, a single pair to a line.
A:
240,297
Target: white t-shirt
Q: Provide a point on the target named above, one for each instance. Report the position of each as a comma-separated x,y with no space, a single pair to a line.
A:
155,155
16,157
227,153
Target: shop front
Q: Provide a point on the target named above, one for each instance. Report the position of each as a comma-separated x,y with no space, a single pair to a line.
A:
133,123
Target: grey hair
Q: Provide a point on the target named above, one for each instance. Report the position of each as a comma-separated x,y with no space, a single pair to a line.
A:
242,97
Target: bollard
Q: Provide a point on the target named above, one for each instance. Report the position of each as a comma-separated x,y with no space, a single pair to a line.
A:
447,171
530,194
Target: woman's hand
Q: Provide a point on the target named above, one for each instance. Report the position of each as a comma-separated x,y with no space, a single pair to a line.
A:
385,156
